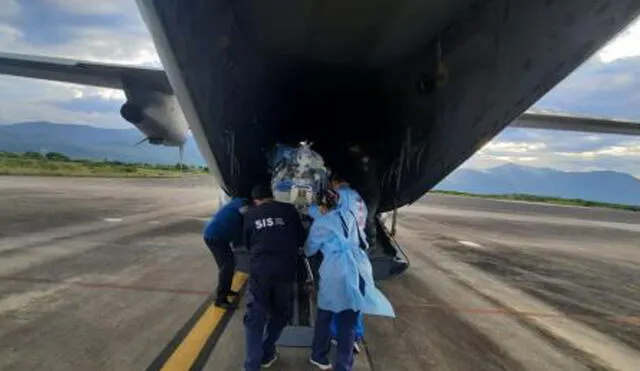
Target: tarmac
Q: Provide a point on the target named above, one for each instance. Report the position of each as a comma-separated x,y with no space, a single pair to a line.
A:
112,274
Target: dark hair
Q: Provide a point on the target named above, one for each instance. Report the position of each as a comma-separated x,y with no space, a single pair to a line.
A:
328,198
336,177
261,192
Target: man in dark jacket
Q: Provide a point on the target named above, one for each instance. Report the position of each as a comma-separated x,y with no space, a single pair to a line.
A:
224,228
273,234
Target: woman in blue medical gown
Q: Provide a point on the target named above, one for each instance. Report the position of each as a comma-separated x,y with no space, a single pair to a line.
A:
346,286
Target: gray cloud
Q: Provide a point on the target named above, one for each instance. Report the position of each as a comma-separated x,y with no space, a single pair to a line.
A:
561,150
94,30
601,89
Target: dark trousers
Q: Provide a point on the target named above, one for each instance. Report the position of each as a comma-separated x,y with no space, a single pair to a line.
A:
345,336
226,265
269,305
359,329
372,198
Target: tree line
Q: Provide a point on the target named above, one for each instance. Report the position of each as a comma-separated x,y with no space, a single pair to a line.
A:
61,157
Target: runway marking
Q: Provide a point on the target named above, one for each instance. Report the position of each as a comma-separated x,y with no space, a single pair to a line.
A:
471,244
627,320
529,219
113,220
104,285
194,342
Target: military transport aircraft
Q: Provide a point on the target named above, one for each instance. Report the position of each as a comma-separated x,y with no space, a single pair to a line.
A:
417,86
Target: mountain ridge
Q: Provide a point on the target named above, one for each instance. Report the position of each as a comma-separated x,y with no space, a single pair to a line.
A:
600,185
90,142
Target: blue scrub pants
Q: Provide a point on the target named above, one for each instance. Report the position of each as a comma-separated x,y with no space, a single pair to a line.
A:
359,327
269,304
345,336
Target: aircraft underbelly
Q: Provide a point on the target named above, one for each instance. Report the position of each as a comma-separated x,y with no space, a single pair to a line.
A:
419,85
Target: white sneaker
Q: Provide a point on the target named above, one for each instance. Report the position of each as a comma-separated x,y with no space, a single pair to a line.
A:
319,365
356,347
334,342
270,362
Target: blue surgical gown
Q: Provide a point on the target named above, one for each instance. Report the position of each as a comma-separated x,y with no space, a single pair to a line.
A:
353,206
343,265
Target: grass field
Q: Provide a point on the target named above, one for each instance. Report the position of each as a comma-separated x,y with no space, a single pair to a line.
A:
59,165
544,199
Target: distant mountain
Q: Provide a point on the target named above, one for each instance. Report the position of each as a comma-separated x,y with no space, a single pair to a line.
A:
601,186
81,141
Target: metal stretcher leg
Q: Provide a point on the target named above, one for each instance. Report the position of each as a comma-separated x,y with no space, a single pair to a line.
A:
299,333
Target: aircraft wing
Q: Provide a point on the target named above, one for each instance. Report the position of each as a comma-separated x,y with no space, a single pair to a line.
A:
80,72
555,121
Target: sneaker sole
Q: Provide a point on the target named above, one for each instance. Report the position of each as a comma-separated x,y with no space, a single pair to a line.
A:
356,348
270,363
320,365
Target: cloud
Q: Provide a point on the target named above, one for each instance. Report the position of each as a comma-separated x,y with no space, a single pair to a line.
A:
561,150
515,158
35,100
9,35
512,147
88,105
607,84
95,30
630,151
600,89
45,23
92,30
10,9
624,45
92,7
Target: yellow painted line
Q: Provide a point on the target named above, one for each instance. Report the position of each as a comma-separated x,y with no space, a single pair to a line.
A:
186,353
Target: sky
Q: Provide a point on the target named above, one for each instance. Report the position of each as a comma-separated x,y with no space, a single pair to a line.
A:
608,84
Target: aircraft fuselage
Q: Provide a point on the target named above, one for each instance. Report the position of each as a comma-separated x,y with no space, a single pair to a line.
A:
418,86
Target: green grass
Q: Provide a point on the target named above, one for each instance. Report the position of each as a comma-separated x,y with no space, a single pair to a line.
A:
53,164
544,199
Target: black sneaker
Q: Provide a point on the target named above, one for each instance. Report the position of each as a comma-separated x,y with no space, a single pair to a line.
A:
233,293
224,304
268,362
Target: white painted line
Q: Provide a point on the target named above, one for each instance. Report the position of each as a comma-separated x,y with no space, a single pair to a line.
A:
511,217
471,244
154,222
608,351
112,220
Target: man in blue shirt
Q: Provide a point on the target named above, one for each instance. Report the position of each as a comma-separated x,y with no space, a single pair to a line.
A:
224,228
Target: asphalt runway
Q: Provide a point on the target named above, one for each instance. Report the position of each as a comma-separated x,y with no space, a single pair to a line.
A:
110,274
580,263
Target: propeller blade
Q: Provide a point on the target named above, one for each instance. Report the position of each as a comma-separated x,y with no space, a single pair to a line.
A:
141,141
